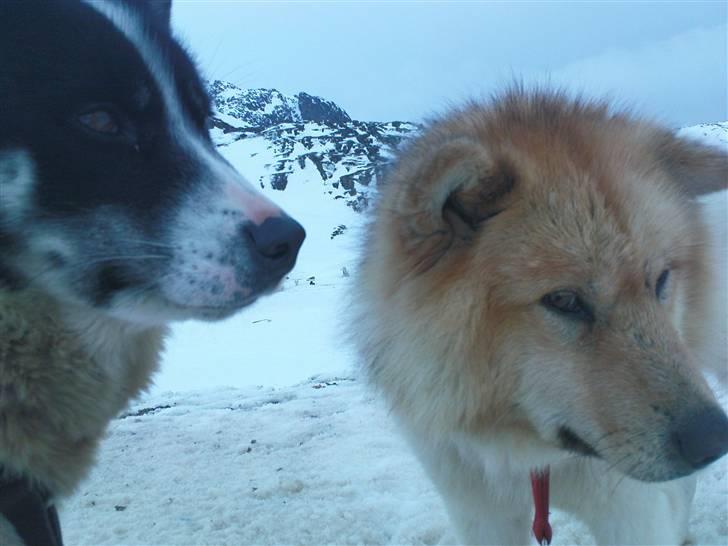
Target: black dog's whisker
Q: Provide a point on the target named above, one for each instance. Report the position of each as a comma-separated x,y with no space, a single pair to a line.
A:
149,243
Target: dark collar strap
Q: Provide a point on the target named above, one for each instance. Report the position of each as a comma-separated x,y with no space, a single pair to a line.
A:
29,512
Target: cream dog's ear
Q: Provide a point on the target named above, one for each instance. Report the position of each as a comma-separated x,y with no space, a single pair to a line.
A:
447,195
698,169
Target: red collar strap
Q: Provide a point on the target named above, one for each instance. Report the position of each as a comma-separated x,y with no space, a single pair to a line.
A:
540,488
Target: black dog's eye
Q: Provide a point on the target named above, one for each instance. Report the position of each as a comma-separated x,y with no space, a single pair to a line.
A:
566,302
100,121
662,284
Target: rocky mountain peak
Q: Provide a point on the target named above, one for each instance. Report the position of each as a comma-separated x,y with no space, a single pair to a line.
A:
320,110
263,108
303,139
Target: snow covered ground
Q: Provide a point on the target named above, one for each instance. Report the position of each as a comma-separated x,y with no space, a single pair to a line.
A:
209,458
317,463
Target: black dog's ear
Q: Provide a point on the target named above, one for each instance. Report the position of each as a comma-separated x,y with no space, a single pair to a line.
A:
698,169
159,11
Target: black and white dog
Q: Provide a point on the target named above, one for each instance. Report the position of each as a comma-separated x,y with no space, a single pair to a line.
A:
117,216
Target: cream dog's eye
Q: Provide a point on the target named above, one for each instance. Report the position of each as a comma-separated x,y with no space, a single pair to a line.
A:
661,284
567,302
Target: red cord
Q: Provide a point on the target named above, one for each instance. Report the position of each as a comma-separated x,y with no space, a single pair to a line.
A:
540,488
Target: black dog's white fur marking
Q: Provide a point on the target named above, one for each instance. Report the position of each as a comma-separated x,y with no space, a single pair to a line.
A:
16,173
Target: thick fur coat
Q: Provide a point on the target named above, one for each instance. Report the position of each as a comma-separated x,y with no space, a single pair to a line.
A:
117,216
64,374
535,290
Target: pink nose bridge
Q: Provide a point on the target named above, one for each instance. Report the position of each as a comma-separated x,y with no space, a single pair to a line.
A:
254,206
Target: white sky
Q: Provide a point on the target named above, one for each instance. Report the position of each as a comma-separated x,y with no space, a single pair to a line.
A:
407,60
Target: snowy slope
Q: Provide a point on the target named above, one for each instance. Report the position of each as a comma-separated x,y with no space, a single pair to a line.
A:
207,458
711,133
344,158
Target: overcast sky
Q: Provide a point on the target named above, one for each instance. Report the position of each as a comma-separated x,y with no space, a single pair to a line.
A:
407,60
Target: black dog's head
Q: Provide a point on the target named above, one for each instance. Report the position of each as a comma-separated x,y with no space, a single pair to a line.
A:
111,193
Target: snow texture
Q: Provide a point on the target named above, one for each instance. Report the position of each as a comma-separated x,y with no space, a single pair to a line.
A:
208,459
317,463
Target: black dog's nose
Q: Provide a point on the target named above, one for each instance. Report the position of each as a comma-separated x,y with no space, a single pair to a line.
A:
277,239
702,437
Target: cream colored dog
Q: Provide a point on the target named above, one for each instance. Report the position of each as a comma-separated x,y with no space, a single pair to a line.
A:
534,292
